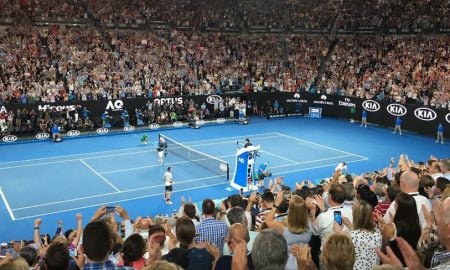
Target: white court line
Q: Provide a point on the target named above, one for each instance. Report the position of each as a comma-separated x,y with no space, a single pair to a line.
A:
240,136
112,193
324,146
99,175
309,161
8,208
111,155
290,160
125,149
317,167
165,164
117,201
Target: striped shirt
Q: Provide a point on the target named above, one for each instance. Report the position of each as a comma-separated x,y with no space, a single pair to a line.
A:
213,231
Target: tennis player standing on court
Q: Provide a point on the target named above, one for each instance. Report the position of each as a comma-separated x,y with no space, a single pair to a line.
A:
167,178
161,149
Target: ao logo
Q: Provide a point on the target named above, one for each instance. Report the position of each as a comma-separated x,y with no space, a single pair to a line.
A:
323,97
396,109
102,131
296,95
114,105
241,160
447,117
129,128
42,136
153,126
73,133
213,98
177,124
220,120
425,114
371,105
9,138
200,122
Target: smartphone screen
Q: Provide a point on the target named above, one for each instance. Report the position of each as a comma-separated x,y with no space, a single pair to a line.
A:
110,209
3,250
338,217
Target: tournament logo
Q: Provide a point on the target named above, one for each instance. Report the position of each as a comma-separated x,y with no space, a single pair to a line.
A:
296,99
425,114
129,128
447,118
115,105
396,109
42,136
73,133
102,131
177,124
220,120
9,138
371,105
347,103
213,98
153,126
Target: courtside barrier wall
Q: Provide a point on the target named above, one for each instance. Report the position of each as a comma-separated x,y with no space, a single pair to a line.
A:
416,118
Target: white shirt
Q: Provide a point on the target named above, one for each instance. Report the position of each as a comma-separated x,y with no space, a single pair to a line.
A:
420,200
167,177
341,167
324,222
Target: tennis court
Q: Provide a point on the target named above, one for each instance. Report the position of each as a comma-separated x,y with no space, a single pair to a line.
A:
55,181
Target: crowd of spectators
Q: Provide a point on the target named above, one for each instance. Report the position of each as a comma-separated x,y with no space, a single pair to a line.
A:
388,219
412,68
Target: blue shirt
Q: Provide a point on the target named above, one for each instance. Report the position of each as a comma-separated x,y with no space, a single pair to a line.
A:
364,114
108,265
440,128
262,168
398,121
213,231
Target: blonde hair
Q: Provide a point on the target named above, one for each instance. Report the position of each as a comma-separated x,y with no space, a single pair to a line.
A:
446,192
362,216
162,265
338,253
297,218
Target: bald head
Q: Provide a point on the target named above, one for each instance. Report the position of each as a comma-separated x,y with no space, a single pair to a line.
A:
409,182
239,231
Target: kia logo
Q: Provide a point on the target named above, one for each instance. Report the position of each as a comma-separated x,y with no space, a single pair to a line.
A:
296,95
220,120
396,109
9,138
177,124
42,136
102,131
200,122
425,114
153,126
447,117
73,133
371,105
129,128
213,98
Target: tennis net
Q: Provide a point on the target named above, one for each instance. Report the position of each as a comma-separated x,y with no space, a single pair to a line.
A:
215,165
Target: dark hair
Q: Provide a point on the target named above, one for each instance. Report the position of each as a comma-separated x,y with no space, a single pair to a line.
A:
349,191
97,240
30,255
208,207
367,195
189,210
185,231
406,212
178,256
235,200
169,168
152,229
133,249
441,183
391,193
236,215
337,193
268,197
319,190
57,257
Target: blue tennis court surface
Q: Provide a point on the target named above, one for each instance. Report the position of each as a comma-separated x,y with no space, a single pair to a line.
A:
55,181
